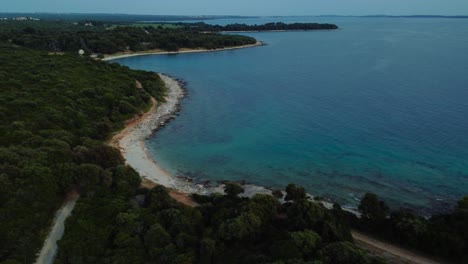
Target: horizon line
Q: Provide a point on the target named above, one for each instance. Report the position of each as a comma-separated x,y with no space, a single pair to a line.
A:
228,15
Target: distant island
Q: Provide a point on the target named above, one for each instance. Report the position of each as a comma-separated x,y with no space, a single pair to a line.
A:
274,26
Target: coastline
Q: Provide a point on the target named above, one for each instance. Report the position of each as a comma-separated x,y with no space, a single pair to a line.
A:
130,141
122,55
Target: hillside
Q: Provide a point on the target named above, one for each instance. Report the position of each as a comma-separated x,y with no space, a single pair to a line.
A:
56,111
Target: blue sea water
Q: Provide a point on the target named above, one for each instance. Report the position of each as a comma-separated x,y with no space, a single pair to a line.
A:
380,105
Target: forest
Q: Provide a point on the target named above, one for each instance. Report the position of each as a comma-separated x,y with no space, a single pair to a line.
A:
100,38
57,110
55,113
148,226
97,37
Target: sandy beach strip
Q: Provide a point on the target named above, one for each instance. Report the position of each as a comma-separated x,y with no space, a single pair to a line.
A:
131,140
122,55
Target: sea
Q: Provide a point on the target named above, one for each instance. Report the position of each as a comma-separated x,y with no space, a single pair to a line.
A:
380,105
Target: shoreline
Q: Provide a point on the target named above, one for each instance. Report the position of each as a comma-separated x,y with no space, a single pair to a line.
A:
131,143
122,55
131,140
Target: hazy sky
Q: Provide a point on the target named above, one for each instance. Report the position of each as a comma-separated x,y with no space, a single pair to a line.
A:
242,7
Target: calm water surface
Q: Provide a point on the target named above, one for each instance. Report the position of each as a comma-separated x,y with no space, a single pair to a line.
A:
380,105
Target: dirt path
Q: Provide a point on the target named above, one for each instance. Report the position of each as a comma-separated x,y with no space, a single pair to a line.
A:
392,253
49,249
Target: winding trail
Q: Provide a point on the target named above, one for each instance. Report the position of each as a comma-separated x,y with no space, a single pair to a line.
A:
392,253
49,249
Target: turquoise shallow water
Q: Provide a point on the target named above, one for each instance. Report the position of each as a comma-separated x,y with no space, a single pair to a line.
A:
380,105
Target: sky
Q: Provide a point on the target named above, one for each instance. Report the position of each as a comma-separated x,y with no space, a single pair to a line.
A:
242,7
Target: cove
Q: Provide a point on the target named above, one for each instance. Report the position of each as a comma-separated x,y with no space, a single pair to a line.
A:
377,106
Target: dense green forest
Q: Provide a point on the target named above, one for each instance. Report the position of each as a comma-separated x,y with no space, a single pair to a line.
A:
108,38
55,113
148,226
97,37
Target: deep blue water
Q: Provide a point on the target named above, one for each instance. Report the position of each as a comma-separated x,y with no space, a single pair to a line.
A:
380,105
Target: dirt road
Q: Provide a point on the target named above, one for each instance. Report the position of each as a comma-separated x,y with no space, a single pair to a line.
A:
392,253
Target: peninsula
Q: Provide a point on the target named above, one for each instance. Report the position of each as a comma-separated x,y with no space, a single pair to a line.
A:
98,38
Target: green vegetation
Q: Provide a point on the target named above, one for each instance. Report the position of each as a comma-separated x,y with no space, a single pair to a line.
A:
96,37
99,37
144,25
266,27
444,236
55,113
148,226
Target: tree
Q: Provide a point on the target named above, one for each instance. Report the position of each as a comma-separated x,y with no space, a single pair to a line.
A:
407,227
343,253
158,199
157,237
295,193
265,206
245,225
305,214
373,209
233,189
207,250
462,205
307,241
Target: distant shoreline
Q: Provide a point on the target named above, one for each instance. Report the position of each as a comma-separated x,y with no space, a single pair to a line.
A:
122,55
